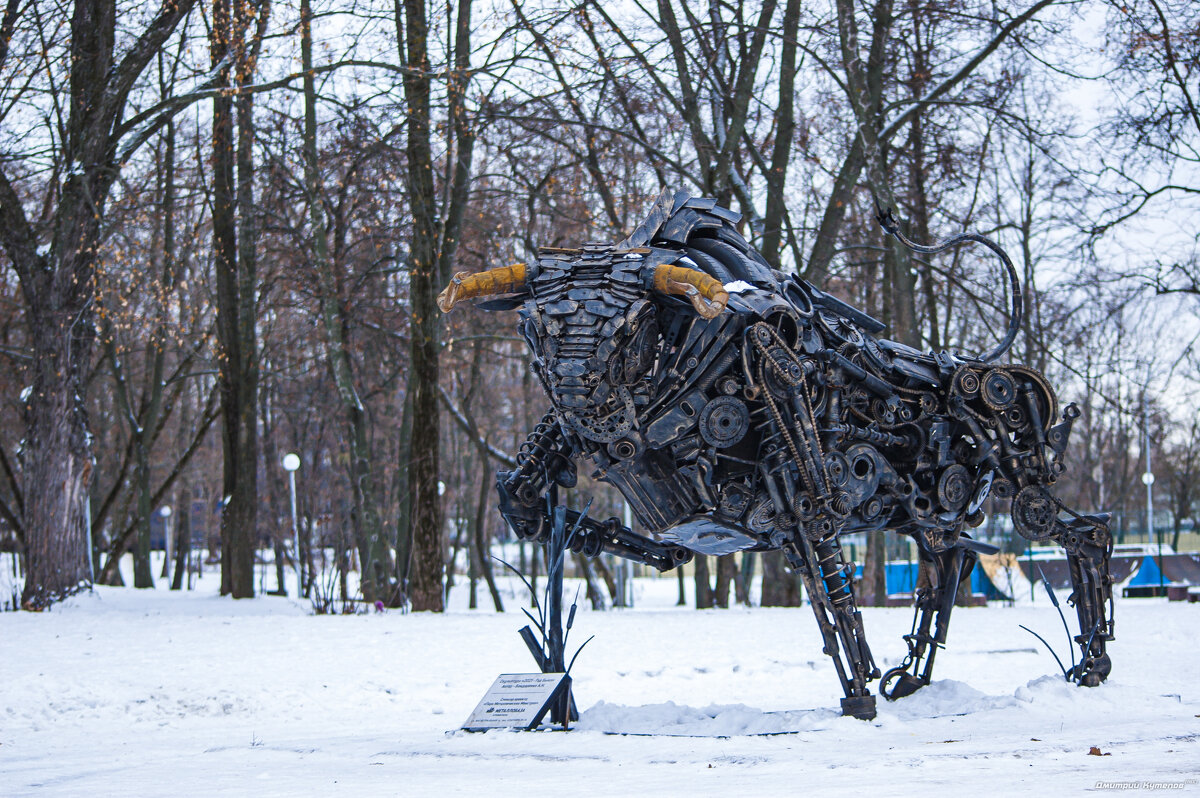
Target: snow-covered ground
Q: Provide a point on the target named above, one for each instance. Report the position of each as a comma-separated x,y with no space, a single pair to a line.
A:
156,693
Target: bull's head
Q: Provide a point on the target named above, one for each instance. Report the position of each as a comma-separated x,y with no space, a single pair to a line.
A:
590,360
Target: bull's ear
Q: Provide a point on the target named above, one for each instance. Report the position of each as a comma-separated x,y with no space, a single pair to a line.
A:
503,303
501,280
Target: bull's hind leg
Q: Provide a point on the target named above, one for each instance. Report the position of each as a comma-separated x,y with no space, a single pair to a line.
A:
1088,545
829,584
942,573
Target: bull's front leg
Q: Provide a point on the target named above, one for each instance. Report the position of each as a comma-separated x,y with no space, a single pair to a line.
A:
813,551
543,461
828,581
796,478
527,504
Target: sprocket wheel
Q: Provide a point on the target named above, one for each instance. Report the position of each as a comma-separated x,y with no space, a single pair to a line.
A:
1034,513
998,390
965,382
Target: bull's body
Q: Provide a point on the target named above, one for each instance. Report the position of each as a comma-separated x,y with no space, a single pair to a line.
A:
737,408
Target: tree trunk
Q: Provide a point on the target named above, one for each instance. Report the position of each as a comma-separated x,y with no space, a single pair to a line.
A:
826,239
610,583
785,128
426,515
780,588
872,590
236,337
595,596
58,287
142,426
704,592
483,549
919,194
864,83
726,573
473,524
57,468
183,539
404,503
745,578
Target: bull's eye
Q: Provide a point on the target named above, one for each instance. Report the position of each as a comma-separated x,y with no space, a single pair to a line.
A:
529,331
634,357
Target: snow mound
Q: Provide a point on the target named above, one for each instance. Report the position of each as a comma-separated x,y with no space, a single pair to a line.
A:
1048,689
944,697
717,720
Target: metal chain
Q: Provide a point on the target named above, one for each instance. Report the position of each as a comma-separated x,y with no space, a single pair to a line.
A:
805,391
783,430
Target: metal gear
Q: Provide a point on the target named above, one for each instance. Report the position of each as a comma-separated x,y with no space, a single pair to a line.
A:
1002,488
1016,418
998,389
965,382
837,468
625,449
782,373
954,487
1033,513
871,509
724,421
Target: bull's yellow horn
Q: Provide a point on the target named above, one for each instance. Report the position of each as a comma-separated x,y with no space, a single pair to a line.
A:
464,285
707,295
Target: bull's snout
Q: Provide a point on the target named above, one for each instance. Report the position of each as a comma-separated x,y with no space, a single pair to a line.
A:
572,387
572,393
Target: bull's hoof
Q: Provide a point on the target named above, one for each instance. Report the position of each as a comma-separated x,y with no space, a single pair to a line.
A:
898,683
861,707
1093,670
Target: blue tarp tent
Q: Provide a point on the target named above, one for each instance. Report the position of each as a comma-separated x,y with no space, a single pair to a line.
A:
902,578
1147,574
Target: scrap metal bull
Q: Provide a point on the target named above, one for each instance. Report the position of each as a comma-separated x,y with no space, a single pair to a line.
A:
737,408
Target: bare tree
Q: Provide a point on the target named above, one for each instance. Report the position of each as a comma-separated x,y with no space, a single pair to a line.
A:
431,255
53,251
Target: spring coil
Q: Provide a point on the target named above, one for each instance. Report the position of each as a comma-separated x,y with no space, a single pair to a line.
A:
539,443
534,463
837,586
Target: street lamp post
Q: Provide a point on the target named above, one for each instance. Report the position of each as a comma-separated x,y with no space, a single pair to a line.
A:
291,462
165,512
1148,481
625,567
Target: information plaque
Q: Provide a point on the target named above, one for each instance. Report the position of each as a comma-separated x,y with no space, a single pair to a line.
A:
517,701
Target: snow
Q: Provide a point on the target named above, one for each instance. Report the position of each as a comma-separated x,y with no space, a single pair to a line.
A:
738,287
159,693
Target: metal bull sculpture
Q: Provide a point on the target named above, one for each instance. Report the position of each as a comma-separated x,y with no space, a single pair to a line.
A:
738,408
